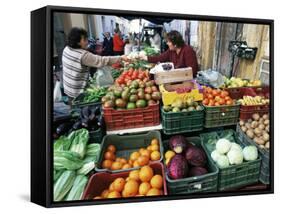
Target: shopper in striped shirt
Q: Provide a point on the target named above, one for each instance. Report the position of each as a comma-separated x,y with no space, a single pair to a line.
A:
76,59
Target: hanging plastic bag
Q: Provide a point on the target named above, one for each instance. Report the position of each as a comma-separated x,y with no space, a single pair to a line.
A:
104,77
57,92
210,78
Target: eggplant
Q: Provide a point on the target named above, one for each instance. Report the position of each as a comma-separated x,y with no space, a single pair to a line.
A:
63,128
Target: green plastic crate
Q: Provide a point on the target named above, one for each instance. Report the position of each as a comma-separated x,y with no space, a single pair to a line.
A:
264,153
196,184
127,144
96,136
233,176
181,122
216,116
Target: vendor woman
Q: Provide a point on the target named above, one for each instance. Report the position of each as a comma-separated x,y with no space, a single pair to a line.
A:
76,59
180,54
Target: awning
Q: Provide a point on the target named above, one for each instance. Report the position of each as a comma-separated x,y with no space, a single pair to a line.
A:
157,21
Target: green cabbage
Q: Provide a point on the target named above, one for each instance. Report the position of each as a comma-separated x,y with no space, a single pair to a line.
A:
235,156
222,161
223,146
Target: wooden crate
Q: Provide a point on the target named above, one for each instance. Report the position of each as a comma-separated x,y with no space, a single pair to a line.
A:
176,75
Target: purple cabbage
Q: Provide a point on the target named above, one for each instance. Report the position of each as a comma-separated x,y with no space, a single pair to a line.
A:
197,171
195,156
178,143
177,167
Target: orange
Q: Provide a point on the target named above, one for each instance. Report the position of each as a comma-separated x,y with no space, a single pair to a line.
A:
146,173
134,156
111,148
144,188
98,197
134,175
118,159
104,193
154,142
131,188
156,181
114,194
145,152
126,166
149,148
118,184
155,155
139,195
109,156
130,162
136,164
153,192
116,166
141,150
123,160
111,187
143,160
155,148
106,164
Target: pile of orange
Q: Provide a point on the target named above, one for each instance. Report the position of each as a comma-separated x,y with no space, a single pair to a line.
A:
137,159
141,182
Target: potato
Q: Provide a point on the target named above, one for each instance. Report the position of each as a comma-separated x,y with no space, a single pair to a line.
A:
257,131
254,124
250,133
261,120
265,117
261,126
244,128
249,120
248,125
266,122
241,123
259,141
267,128
256,116
267,145
265,137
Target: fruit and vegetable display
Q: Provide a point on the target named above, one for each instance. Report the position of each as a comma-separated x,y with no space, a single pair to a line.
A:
139,183
183,159
236,82
137,94
150,51
251,101
257,129
227,152
216,97
138,158
181,105
73,160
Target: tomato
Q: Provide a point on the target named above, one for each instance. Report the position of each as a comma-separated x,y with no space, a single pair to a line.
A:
130,73
134,76
206,101
222,102
217,104
227,98
225,93
211,103
141,76
229,102
131,69
214,92
217,98
210,96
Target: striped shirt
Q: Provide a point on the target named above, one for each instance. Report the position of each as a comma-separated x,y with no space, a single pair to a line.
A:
75,73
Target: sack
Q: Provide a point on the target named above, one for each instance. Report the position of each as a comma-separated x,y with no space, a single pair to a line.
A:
210,78
57,92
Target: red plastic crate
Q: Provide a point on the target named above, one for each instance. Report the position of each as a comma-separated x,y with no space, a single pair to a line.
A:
101,181
246,112
238,93
133,118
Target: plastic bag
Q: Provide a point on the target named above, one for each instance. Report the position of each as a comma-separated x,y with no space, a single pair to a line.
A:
57,92
211,78
104,77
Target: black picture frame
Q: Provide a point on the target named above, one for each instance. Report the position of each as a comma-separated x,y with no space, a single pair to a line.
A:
42,97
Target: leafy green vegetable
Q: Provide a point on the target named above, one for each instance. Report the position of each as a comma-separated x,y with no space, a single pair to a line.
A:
79,143
62,144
